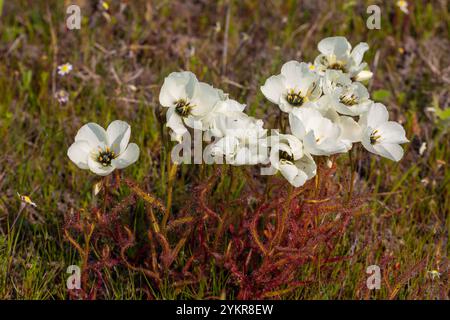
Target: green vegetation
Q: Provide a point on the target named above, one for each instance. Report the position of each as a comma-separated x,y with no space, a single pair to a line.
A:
120,59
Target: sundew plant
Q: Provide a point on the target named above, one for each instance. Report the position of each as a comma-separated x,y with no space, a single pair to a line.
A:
262,247
224,150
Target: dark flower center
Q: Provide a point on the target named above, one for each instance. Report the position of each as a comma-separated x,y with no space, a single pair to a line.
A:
106,156
374,137
348,99
183,108
337,66
283,155
295,99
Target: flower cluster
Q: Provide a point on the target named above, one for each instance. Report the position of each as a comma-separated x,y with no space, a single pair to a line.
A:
197,105
328,106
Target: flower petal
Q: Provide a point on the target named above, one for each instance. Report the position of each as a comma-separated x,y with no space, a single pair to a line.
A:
295,145
295,176
392,132
78,153
128,157
307,165
246,156
205,99
358,52
365,140
177,85
391,151
175,122
291,70
93,134
98,168
350,129
273,88
364,75
303,119
118,135
338,46
376,115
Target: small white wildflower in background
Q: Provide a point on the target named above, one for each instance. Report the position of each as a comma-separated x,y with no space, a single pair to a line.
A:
311,66
381,136
102,151
27,200
64,69
104,5
62,96
403,6
434,274
423,148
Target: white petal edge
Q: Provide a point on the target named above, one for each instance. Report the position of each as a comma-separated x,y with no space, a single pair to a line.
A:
358,52
78,153
295,176
273,88
118,135
128,157
93,134
391,151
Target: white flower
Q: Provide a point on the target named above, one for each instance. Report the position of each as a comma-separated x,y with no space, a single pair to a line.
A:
188,100
229,120
350,129
403,6
235,152
352,99
333,80
64,69
296,85
381,136
434,274
103,151
337,54
319,134
104,5
288,157
216,121
240,138
62,96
